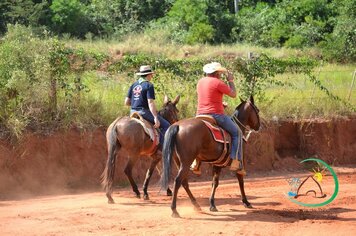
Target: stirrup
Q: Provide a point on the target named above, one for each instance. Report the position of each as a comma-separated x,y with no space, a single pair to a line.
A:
235,165
241,172
195,167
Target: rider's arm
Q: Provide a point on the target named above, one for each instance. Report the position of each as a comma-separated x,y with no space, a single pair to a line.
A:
127,101
153,109
230,79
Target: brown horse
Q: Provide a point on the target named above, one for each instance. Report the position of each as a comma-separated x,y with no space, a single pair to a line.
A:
124,134
190,139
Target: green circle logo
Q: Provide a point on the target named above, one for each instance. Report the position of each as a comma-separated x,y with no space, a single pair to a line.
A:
295,183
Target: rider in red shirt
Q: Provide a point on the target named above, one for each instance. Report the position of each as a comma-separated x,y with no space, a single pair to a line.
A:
211,90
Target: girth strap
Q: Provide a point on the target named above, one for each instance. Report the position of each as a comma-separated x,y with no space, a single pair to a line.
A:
224,159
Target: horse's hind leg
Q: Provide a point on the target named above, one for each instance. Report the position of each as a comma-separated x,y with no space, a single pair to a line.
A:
128,172
192,198
246,203
160,172
216,175
177,183
148,177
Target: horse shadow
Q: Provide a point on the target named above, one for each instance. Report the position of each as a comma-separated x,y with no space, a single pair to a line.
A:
204,201
282,215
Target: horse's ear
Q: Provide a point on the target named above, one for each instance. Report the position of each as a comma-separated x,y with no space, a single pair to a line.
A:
251,99
241,99
166,99
176,100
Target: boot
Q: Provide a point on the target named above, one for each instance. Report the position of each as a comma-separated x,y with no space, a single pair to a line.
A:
195,167
235,165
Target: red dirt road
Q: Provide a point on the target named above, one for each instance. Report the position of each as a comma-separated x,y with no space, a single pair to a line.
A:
273,213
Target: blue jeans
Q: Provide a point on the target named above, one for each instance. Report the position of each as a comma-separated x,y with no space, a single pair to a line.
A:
164,124
227,124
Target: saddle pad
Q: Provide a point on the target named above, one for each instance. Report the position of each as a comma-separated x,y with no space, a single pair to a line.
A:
217,133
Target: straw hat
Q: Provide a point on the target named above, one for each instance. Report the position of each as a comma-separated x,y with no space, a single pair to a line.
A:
145,70
212,67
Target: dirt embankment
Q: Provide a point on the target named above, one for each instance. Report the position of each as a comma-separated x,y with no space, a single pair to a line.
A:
76,159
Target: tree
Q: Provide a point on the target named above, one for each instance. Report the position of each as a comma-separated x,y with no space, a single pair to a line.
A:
69,16
25,12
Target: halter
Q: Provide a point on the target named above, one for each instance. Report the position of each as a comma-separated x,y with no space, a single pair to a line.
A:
238,122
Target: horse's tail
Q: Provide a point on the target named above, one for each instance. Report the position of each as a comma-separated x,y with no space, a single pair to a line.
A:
113,144
168,147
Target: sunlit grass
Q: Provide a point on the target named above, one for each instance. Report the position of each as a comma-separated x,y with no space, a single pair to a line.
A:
302,100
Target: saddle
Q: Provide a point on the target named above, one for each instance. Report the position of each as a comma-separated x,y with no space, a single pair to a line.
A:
221,136
149,130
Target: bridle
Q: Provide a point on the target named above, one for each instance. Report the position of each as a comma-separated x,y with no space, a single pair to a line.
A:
245,128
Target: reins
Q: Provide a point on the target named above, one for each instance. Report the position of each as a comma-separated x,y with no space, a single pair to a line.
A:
239,123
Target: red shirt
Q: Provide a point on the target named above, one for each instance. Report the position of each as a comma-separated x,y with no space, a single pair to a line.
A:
210,93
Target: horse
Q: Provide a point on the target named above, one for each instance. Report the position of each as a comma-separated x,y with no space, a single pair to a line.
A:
125,134
190,139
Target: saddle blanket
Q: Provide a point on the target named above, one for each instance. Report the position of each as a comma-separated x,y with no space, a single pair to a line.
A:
217,133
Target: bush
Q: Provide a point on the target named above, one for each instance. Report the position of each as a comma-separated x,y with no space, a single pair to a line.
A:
24,71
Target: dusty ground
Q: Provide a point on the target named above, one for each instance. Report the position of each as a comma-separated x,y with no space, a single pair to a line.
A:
273,214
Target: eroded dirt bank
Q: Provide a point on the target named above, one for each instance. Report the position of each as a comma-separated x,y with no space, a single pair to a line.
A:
75,159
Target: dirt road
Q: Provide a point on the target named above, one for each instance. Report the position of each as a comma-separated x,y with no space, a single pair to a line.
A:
273,213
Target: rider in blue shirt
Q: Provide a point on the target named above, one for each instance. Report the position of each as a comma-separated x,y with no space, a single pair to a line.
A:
141,96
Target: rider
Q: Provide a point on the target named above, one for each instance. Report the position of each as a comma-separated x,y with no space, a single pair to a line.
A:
141,98
210,91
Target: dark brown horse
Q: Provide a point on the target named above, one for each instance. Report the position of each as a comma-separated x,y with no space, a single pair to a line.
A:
189,139
127,135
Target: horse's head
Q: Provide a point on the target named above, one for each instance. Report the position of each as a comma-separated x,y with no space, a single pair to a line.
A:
247,114
169,110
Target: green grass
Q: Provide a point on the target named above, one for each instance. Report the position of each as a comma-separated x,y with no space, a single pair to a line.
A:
304,100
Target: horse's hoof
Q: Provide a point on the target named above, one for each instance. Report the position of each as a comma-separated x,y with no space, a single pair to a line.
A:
248,205
213,208
197,208
175,215
146,197
169,193
110,199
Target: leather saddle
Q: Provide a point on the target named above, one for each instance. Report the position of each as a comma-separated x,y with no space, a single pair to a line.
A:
149,130
221,136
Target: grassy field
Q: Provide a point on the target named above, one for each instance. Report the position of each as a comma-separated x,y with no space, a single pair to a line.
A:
303,100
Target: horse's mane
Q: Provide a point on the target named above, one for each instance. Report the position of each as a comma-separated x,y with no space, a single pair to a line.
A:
238,107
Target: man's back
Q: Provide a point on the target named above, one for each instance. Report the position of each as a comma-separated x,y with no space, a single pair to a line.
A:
210,94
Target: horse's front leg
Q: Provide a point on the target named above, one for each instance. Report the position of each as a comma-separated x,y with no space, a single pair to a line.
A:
149,173
128,172
215,184
246,203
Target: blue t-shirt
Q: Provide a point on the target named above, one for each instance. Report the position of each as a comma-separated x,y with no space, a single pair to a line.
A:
139,92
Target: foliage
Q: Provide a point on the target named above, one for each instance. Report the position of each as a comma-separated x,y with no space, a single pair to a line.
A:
79,86
119,17
25,12
326,24
45,68
340,45
68,16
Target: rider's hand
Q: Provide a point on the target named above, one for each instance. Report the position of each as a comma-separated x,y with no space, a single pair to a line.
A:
224,104
157,123
230,77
